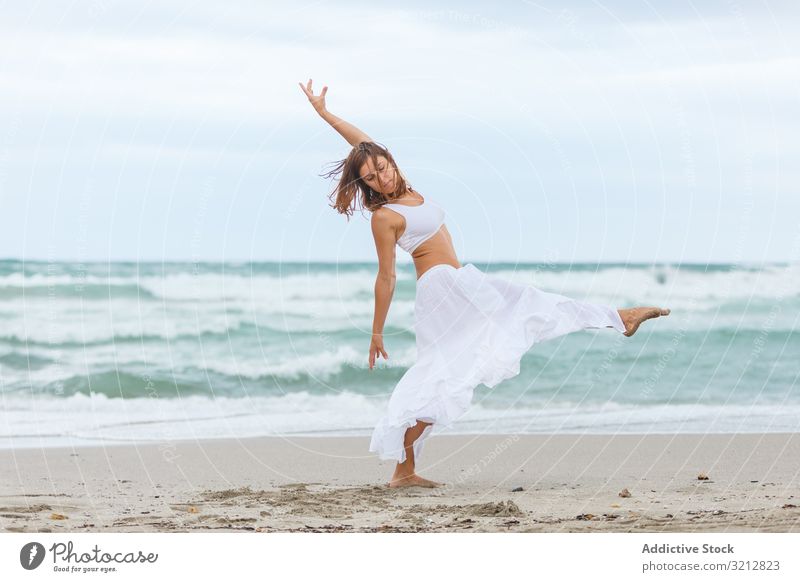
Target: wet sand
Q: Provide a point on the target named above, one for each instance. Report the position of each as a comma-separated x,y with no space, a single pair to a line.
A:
492,483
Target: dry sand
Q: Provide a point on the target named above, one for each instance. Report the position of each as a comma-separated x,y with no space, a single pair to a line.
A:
517,483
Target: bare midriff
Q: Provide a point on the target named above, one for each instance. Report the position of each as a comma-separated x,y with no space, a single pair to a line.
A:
437,250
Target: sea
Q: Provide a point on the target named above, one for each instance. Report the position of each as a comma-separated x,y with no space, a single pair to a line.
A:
112,353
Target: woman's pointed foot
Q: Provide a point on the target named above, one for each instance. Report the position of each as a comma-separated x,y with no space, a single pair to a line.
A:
632,318
413,480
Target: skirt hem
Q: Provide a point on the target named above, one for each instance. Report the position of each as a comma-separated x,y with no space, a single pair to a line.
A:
436,390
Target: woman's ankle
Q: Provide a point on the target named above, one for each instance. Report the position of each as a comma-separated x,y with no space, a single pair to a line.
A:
403,472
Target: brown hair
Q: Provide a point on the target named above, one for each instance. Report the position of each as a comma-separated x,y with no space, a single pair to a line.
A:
350,183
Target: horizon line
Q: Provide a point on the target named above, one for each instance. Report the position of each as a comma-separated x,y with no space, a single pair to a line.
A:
374,261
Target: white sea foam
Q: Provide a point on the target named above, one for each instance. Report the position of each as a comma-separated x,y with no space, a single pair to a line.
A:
221,344
89,420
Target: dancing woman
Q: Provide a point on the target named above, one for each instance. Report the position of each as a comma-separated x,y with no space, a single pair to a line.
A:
471,328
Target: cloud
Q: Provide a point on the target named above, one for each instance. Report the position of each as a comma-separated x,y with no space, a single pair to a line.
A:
417,63
627,92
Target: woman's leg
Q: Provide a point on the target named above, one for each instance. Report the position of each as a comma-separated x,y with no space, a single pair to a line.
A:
404,475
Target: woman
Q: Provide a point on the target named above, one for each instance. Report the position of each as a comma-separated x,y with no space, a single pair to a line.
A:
471,328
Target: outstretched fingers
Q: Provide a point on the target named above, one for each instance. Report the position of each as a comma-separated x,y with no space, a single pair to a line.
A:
310,92
307,88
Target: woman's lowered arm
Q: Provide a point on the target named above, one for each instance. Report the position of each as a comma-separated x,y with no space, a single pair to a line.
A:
348,131
385,241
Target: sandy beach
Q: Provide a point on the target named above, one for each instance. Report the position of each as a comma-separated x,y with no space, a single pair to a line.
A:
492,483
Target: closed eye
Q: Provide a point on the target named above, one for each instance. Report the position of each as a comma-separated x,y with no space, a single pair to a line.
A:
371,176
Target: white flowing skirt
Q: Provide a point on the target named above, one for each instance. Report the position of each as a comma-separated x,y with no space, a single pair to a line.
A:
472,328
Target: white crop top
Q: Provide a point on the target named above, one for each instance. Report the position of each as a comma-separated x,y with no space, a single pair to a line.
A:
422,222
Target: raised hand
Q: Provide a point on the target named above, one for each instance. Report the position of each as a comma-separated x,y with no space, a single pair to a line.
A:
318,101
348,131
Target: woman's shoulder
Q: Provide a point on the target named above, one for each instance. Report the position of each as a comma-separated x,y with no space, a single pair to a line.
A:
384,215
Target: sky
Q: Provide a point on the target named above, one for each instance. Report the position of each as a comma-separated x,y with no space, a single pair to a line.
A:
549,131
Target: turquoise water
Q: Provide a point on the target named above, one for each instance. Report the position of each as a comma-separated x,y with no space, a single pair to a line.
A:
121,352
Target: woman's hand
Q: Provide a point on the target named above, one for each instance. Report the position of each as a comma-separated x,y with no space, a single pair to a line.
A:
376,349
318,101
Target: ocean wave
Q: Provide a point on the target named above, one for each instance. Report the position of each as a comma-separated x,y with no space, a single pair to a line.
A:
70,291
87,420
685,286
204,330
179,375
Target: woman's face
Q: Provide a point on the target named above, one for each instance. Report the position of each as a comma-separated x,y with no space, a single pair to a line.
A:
382,178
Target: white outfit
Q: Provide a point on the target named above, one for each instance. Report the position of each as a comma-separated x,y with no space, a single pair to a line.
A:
471,328
422,222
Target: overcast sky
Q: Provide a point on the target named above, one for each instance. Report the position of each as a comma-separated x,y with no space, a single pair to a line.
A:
566,131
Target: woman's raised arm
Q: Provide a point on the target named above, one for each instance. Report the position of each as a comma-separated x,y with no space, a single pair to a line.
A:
351,133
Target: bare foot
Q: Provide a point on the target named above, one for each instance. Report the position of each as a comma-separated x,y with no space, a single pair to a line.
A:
412,481
633,317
